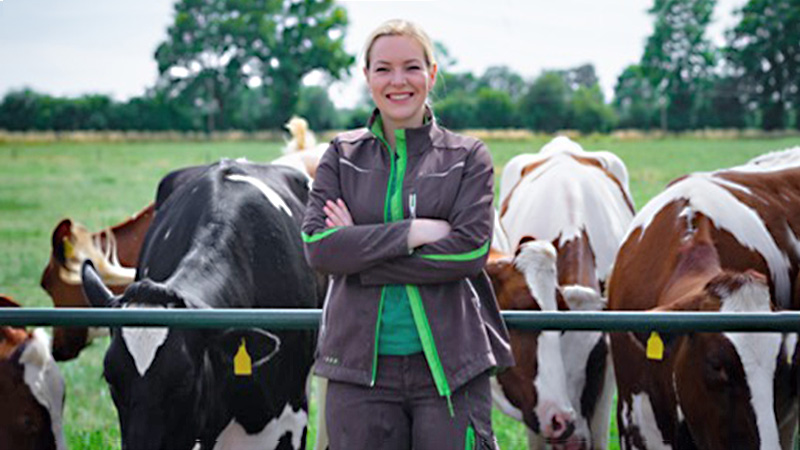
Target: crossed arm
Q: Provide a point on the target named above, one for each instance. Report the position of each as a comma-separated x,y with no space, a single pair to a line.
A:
421,231
416,251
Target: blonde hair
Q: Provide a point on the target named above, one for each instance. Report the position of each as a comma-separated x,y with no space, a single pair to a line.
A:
401,27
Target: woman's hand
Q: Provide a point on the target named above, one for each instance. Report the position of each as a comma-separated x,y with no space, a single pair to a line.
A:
422,231
337,214
425,231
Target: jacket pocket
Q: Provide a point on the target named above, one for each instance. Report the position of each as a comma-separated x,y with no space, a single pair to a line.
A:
473,294
323,322
436,192
362,189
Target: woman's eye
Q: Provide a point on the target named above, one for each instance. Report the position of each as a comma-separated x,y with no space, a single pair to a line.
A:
414,67
381,69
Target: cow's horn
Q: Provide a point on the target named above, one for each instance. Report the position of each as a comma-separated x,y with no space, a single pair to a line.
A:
93,288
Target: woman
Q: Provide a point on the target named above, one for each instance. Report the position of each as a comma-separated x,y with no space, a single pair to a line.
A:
401,216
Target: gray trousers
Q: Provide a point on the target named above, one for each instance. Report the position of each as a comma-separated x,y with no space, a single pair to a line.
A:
404,411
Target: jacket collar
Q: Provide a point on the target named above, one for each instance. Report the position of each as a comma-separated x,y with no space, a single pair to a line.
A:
417,139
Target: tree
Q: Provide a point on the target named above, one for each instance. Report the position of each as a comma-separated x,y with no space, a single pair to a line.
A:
678,59
544,105
494,109
765,49
634,100
444,60
456,111
317,108
502,78
583,75
724,106
217,48
20,110
450,84
589,110
155,111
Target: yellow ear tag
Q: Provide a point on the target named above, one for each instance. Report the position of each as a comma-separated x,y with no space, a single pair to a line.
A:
68,248
655,347
242,366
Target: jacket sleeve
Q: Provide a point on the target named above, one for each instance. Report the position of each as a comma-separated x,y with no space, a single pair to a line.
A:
463,252
351,249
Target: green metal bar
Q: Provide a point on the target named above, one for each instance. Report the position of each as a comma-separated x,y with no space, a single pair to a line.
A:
309,318
649,321
176,318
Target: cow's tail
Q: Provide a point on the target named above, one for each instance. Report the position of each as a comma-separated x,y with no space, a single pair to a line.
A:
302,137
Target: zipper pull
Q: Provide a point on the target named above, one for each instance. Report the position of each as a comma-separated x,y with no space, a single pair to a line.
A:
412,205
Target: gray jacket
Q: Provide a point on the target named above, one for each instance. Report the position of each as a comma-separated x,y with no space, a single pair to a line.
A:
432,173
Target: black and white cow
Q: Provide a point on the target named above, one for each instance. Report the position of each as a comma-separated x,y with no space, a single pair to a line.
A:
227,237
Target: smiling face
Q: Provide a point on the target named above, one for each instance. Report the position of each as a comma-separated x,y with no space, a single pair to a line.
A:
399,80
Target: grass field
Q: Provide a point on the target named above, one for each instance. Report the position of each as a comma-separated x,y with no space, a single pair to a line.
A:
101,184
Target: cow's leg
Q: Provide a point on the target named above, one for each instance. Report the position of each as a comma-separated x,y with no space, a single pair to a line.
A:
601,419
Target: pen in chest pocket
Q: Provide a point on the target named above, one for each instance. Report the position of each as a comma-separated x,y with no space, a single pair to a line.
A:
412,205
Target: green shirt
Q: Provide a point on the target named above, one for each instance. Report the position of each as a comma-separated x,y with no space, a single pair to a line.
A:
397,334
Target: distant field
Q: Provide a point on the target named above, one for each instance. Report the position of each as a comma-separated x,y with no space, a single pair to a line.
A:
102,184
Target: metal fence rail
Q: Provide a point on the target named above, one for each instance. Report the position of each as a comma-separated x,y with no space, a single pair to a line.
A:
309,318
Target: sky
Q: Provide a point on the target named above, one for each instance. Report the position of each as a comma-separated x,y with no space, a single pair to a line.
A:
76,47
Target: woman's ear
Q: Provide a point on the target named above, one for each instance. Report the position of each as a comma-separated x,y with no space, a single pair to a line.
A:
434,71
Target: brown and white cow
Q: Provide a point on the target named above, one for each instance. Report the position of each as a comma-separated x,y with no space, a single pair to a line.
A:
564,212
114,251
721,241
31,389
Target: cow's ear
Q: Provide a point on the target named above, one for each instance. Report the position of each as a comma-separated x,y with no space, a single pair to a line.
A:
6,302
298,184
523,240
10,336
254,345
581,298
496,266
691,303
94,290
61,234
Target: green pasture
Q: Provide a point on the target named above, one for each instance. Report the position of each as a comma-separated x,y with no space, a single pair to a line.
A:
102,184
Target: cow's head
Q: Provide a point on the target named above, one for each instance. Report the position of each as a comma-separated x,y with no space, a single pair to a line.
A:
725,382
72,244
536,386
32,390
175,387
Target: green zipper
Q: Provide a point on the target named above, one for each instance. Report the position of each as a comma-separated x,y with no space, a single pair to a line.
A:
377,333
386,218
469,443
392,211
429,345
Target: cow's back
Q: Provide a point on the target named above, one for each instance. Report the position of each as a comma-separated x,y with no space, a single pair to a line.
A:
753,227
236,221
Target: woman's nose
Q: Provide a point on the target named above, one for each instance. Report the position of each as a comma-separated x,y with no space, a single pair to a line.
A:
398,78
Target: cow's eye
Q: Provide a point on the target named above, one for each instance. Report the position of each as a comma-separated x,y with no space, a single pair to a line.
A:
715,373
28,424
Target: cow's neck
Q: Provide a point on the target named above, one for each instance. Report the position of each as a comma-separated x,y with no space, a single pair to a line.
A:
576,264
696,263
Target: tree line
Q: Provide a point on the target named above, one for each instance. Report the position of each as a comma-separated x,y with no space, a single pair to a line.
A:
238,64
